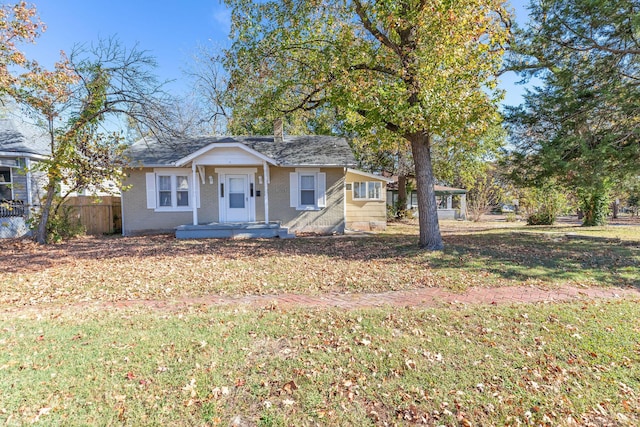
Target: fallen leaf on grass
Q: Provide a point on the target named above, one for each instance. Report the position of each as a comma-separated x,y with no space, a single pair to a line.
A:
41,412
220,391
290,387
191,387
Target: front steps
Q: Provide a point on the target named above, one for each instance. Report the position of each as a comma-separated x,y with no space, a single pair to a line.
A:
251,230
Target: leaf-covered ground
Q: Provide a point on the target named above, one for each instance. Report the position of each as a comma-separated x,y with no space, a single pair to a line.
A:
159,267
544,365
64,362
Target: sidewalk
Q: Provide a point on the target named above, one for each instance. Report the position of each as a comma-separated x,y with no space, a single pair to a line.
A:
426,297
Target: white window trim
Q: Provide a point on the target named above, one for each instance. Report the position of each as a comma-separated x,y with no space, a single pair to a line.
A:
153,190
314,206
10,183
320,192
353,194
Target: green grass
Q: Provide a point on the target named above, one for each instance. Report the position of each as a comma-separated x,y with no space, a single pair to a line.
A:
161,267
66,360
543,364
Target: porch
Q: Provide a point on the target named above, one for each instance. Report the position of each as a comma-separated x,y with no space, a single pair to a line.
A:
235,230
13,214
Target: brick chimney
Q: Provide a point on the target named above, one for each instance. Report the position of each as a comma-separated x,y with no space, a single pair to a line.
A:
278,130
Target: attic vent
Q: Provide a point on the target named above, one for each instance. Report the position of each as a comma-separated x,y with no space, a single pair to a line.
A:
278,131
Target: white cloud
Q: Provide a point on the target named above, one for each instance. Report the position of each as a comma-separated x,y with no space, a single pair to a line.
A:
222,17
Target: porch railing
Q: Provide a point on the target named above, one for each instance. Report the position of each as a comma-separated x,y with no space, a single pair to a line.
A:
11,208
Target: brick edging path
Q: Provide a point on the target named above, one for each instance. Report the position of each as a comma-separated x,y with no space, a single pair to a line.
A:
424,297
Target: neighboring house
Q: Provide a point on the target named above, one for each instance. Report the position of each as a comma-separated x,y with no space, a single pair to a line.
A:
21,146
452,202
249,186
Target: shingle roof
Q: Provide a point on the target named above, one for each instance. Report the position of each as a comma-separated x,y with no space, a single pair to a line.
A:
292,151
440,190
17,136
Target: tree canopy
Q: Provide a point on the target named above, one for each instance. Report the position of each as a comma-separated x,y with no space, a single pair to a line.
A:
19,23
413,68
74,102
581,126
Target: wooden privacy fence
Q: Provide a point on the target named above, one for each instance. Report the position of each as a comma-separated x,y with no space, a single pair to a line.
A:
98,216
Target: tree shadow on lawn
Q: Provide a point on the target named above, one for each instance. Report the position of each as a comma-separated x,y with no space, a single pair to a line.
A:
516,258
533,257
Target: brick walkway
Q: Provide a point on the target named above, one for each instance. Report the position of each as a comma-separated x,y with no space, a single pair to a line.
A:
426,297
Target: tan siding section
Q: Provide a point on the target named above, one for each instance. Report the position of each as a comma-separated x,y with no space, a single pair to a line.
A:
365,214
327,220
208,211
137,219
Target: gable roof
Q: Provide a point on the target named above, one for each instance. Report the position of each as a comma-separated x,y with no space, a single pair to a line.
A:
22,139
316,150
441,190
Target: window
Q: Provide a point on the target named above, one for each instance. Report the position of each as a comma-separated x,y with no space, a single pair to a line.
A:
5,184
307,187
182,190
237,193
164,191
168,191
359,190
307,190
370,190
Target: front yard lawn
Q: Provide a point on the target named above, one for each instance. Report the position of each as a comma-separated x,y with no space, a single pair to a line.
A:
161,267
67,359
542,364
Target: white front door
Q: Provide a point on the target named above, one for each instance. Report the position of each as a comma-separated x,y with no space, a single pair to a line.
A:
236,200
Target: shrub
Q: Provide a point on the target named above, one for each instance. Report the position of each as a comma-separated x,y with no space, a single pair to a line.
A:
63,224
544,204
541,218
510,217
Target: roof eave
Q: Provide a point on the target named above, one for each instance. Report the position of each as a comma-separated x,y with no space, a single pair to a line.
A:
370,175
316,165
22,154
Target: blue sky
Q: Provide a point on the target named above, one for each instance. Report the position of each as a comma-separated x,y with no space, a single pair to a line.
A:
170,30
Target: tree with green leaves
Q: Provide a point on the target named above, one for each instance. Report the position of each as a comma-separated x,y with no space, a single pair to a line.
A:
75,103
581,127
471,162
415,69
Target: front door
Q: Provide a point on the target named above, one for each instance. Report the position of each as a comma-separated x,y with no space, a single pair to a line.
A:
237,206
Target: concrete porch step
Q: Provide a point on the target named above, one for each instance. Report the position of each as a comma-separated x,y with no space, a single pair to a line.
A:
284,234
251,230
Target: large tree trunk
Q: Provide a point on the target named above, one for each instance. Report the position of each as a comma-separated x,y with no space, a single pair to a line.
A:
402,193
430,237
402,181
